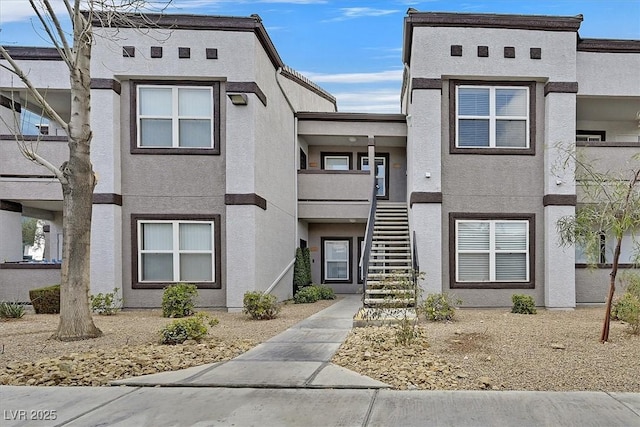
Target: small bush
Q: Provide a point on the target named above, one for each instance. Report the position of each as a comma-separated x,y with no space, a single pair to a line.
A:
440,307
106,304
46,300
11,310
260,306
192,328
178,300
307,295
523,304
326,292
628,310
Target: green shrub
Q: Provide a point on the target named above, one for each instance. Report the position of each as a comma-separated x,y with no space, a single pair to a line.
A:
523,304
11,310
260,306
439,307
46,300
106,304
178,300
628,310
326,292
307,295
192,328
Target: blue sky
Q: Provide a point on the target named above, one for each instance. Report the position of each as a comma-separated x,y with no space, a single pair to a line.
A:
353,48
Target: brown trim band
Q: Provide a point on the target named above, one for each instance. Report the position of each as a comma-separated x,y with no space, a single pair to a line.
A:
6,205
247,87
609,46
216,218
332,172
423,83
334,200
245,199
352,117
560,87
602,266
29,266
107,199
29,53
10,104
111,84
421,197
26,176
560,200
605,144
34,138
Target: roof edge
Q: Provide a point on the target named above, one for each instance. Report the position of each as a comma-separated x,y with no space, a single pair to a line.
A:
351,117
609,45
33,53
300,79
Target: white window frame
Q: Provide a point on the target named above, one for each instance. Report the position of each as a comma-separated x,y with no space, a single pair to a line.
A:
492,117
176,251
347,243
588,138
383,177
175,116
492,251
345,157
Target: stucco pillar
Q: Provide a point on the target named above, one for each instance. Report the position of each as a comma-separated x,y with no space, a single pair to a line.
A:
371,153
560,194
241,254
10,232
106,248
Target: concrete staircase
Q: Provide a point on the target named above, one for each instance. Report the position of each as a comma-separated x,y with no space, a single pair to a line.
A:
389,275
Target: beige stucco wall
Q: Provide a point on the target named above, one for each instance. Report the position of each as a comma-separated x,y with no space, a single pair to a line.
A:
609,74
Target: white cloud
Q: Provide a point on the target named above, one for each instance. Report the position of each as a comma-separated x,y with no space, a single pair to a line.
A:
369,101
20,10
360,12
375,77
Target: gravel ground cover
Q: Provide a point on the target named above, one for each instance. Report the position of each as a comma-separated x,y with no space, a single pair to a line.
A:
480,349
495,349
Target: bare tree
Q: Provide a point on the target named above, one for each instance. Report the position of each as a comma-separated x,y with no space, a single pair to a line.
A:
76,175
611,208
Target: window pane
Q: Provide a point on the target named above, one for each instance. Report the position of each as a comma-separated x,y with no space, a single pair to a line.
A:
195,133
155,101
511,133
511,267
473,267
195,236
195,267
336,163
380,189
157,237
473,236
473,133
155,133
473,101
511,236
511,102
157,267
336,251
337,270
194,102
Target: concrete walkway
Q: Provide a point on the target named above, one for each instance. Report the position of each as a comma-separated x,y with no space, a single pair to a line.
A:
289,381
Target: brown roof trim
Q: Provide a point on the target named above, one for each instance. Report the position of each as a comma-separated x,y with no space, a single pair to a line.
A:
484,20
560,87
295,76
110,84
8,137
6,205
29,266
559,200
351,117
423,83
245,199
107,199
605,144
31,53
247,87
425,197
10,104
609,45
201,22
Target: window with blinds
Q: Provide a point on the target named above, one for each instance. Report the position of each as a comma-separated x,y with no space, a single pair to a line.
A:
492,251
492,116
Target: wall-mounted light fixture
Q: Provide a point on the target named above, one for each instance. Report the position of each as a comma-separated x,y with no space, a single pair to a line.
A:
238,98
352,139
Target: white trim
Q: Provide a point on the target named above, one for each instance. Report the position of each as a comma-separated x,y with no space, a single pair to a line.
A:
345,157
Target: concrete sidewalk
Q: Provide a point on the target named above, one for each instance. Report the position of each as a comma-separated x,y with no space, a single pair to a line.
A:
289,381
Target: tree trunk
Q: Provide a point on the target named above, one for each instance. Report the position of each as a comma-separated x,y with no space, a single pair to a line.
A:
76,322
604,336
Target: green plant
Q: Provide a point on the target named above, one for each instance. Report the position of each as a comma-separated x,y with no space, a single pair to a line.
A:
307,295
178,300
326,292
11,310
192,328
440,307
306,257
260,306
523,304
627,307
106,304
46,300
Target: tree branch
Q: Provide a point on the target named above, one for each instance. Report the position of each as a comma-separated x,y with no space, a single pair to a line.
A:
65,50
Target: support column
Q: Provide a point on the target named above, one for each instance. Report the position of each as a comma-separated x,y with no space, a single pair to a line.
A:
240,254
559,192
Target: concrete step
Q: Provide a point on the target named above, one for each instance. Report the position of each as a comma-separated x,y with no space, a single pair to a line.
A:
405,261
390,302
398,291
390,233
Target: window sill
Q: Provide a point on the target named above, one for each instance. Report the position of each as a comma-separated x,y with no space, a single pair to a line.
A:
177,151
606,266
162,285
494,151
492,285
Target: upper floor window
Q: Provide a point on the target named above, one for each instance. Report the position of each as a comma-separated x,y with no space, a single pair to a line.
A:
336,161
171,119
493,117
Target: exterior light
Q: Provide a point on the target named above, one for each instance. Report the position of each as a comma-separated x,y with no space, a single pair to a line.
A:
238,98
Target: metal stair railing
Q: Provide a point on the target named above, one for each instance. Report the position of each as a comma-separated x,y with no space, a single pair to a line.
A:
415,266
364,259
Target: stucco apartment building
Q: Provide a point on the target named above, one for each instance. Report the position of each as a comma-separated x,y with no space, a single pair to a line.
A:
216,161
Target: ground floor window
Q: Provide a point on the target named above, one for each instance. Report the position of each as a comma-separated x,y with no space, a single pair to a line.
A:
336,259
170,250
492,251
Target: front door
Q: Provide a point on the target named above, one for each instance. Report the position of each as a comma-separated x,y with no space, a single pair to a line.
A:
381,174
